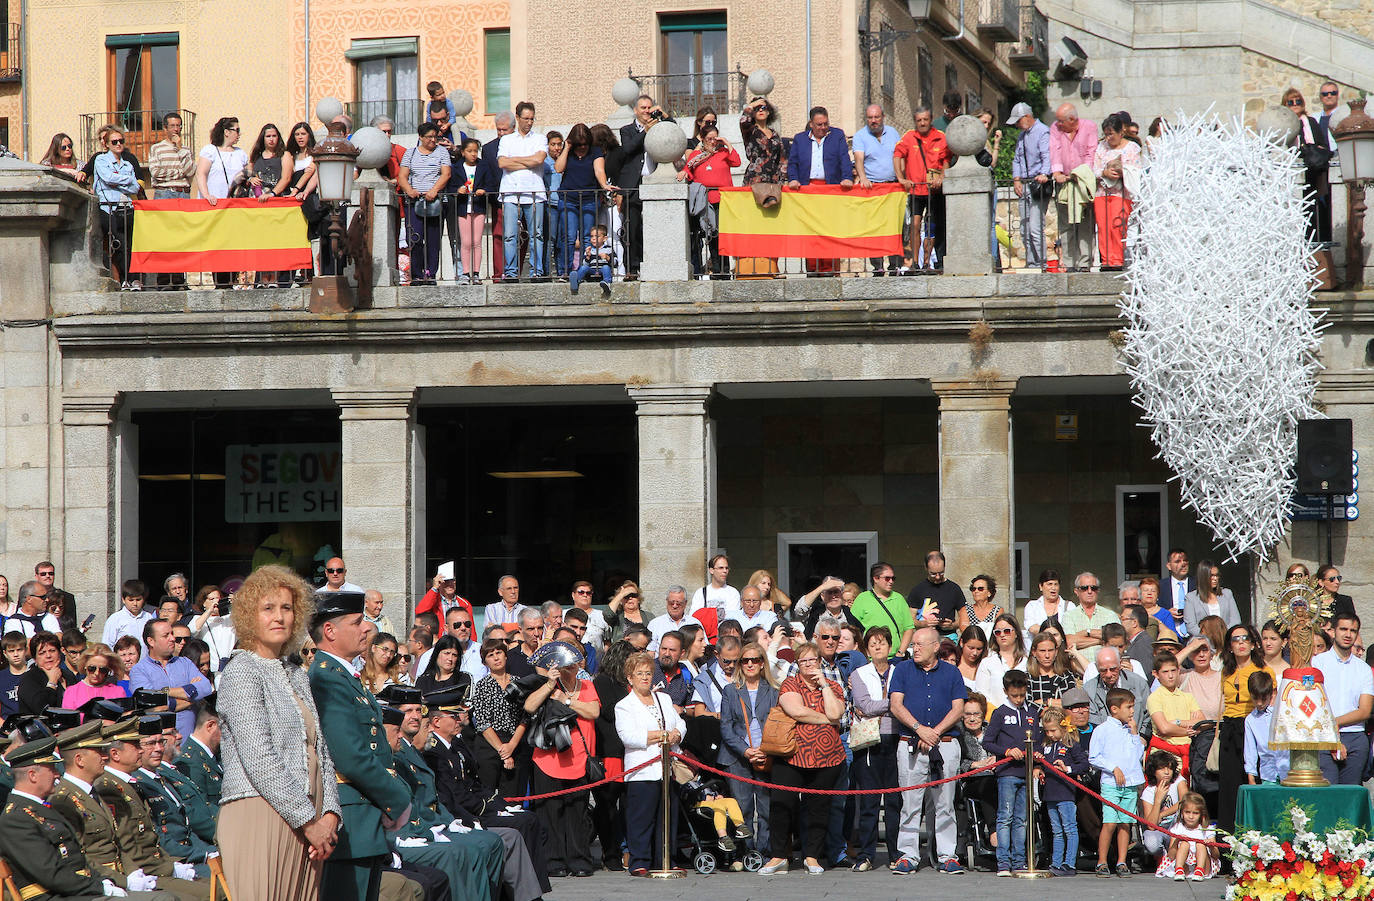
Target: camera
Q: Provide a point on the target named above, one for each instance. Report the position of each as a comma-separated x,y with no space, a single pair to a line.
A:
656,114
226,603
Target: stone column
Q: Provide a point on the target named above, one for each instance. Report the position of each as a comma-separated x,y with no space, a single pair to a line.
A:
676,495
968,219
91,540
379,534
665,232
385,213
975,476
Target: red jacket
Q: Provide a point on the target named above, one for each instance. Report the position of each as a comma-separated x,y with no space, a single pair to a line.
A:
919,165
714,171
432,603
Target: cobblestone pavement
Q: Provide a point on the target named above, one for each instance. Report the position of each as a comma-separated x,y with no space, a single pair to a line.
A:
879,886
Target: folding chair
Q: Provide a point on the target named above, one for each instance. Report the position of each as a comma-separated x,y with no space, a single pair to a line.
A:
8,890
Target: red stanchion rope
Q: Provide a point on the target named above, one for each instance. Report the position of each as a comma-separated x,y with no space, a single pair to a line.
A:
976,771
584,788
1139,819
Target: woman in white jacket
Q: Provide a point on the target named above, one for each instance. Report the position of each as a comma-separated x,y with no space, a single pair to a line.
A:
645,720
1008,653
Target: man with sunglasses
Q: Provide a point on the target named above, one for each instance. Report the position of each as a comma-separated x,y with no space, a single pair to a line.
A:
597,627
459,624
46,574
162,669
334,573
1084,623
443,597
935,599
881,606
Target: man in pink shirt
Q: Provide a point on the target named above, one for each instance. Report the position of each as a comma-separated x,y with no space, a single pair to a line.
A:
1072,142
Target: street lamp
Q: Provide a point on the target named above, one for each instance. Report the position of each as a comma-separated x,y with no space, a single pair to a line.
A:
335,160
1355,146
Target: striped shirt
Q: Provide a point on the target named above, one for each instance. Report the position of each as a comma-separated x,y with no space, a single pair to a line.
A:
425,167
171,167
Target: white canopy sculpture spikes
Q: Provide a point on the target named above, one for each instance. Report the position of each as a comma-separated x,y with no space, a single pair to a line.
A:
1220,342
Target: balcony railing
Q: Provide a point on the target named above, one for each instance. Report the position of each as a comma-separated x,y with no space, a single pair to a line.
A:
682,94
405,114
11,62
1032,49
142,129
999,20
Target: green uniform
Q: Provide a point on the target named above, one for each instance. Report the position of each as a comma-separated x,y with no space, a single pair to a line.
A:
94,826
351,720
200,814
136,834
203,769
175,835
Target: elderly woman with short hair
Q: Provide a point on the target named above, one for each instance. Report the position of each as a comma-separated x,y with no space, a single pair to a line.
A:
280,810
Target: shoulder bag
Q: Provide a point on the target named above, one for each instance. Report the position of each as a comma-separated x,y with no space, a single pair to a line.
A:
428,209
867,731
779,734
766,194
767,761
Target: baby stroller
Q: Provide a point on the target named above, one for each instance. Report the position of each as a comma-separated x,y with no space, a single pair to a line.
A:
699,839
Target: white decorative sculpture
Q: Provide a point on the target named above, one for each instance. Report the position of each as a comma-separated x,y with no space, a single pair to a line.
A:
1220,342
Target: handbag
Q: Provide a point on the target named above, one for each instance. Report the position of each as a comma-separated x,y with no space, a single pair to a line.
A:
867,731
767,761
779,734
429,209
766,195
1214,752
596,770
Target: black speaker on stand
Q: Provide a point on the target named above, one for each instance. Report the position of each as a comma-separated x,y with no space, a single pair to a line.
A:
1325,447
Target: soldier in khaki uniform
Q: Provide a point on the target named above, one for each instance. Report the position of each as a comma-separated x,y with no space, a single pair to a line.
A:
41,847
135,833
83,753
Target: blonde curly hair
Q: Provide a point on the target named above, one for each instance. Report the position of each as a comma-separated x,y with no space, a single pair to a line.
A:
258,586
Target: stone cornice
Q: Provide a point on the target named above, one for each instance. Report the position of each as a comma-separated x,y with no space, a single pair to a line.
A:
374,403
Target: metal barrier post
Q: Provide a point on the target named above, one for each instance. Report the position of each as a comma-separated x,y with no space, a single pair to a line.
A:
1030,872
667,870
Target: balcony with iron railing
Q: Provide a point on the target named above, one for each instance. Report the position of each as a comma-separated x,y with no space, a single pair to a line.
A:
1032,48
11,60
999,21
683,93
142,129
405,114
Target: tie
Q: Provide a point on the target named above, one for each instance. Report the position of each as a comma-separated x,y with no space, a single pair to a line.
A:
1178,595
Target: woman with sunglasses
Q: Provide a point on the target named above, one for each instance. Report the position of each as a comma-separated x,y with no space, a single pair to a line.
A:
1008,653
62,155
981,611
115,183
1312,134
218,165
1241,655
744,707
102,672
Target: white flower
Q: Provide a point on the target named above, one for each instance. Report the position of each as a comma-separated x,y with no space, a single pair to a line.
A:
1300,819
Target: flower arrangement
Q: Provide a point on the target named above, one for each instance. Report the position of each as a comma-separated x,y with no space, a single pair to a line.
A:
1311,867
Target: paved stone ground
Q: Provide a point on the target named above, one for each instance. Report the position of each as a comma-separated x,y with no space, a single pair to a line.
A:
879,886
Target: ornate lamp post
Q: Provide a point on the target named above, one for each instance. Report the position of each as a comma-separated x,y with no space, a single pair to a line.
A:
1355,145
335,160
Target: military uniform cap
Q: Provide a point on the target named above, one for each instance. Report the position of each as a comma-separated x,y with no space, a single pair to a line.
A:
145,699
150,725
124,730
86,736
392,716
112,709
449,700
331,604
31,753
29,725
60,719
400,695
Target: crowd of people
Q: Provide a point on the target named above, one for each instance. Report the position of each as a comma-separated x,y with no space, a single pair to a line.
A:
291,742
550,206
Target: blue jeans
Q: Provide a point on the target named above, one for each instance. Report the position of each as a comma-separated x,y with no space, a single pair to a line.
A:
1064,825
581,272
577,218
1011,822
533,216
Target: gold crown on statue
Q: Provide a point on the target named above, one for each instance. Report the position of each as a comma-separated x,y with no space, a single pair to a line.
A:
1296,593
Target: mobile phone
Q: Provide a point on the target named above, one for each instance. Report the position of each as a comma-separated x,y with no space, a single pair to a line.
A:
90,618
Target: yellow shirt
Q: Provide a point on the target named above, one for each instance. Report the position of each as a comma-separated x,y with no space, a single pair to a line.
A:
1235,691
1174,705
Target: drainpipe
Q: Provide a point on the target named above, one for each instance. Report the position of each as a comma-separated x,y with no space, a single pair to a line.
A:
306,117
808,54
25,75
953,37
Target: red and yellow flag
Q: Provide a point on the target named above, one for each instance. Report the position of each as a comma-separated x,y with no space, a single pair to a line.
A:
814,221
231,236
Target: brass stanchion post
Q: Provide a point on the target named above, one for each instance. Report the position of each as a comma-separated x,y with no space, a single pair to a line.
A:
666,870
1030,872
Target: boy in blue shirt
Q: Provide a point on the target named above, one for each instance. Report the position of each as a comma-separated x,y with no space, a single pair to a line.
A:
599,256
1117,750
1262,763
1005,736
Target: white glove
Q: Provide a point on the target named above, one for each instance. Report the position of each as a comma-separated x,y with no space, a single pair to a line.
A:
138,881
477,825
113,891
183,871
514,809
438,832
459,828
395,861
411,843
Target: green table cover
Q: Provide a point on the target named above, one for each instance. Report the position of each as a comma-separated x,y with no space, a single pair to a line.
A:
1265,808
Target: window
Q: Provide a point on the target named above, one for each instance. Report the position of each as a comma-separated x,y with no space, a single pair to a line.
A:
497,71
806,558
951,78
889,63
973,102
694,63
387,81
144,85
925,77
4,131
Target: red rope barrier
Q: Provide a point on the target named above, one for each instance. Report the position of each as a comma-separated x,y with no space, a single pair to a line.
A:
976,771
1141,820
585,788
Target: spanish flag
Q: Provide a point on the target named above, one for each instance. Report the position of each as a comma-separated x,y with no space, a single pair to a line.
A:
231,236
814,221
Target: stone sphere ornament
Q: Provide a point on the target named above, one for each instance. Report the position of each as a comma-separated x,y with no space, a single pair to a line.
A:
1221,342
1281,121
374,147
665,143
760,83
462,102
966,136
624,91
328,109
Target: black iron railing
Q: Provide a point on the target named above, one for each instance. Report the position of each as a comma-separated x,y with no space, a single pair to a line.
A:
1032,48
682,94
406,115
11,61
999,20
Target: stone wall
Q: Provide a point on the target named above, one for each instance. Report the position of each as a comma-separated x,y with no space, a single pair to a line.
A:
1264,79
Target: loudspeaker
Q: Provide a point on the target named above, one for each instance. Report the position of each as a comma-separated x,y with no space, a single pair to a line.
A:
1324,456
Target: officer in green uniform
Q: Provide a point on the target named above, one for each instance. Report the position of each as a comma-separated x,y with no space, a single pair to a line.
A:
197,759
175,835
83,752
374,799
201,816
39,844
136,833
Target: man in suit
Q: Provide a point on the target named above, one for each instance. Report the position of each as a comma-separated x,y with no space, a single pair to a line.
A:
820,155
637,164
374,799
136,834
1176,585
39,843
198,760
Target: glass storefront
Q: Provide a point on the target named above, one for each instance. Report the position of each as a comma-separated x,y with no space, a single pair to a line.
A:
221,492
548,494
